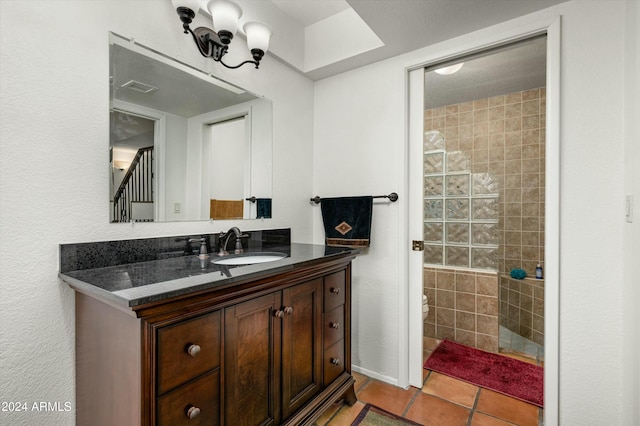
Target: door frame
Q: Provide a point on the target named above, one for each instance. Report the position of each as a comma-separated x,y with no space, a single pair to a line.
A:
159,148
410,294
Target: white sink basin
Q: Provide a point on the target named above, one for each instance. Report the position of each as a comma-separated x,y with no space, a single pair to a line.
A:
249,258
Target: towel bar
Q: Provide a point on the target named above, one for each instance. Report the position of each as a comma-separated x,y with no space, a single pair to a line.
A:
393,197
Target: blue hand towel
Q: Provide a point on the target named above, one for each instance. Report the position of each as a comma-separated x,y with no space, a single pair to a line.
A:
347,221
263,208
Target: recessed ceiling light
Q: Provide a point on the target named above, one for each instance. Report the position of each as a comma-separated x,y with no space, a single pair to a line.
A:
450,69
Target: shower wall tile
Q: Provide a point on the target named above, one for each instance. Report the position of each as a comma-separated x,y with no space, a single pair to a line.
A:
495,101
522,307
515,156
464,306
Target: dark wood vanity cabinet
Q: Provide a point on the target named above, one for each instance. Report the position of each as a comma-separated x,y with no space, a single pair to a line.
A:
266,352
273,352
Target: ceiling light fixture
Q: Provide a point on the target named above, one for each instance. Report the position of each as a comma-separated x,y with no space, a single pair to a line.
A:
214,43
450,69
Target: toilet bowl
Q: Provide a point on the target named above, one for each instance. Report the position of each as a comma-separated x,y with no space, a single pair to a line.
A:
425,307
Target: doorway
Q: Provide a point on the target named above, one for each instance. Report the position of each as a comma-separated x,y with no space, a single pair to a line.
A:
132,186
484,126
486,255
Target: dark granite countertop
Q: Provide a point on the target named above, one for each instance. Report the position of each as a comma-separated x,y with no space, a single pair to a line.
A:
135,284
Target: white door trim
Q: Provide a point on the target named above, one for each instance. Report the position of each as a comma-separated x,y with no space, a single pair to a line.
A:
410,371
159,149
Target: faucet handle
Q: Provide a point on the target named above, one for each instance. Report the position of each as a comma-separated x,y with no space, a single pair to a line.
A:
203,245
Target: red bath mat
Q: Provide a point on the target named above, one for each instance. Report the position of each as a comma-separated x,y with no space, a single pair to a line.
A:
502,374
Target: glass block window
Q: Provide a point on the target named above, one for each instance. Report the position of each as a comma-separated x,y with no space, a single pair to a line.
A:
460,209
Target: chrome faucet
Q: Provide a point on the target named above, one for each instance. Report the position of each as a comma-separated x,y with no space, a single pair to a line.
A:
226,235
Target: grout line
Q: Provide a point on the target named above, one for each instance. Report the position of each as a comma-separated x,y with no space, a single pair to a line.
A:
475,404
540,416
413,398
424,382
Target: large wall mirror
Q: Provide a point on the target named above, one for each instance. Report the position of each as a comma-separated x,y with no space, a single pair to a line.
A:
183,144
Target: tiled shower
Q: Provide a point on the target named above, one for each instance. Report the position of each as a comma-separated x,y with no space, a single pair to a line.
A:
484,216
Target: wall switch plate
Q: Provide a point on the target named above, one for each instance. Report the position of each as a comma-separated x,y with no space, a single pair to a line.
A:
176,207
628,209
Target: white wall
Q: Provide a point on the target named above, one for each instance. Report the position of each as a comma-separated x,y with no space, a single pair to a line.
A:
631,292
54,130
358,144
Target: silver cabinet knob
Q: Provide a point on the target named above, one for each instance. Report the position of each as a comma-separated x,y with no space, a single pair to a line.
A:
193,350
278,314
193,412
334,325
335,290
288,310
335,361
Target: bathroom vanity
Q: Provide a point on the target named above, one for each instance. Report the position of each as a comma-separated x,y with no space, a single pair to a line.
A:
184,341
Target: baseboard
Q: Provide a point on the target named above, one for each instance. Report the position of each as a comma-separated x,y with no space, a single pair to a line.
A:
374,375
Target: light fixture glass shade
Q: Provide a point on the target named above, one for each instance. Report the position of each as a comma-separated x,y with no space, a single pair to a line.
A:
225,15
190,4
450,69
258,35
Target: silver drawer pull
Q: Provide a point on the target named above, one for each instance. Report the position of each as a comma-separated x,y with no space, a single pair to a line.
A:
193,412
335,290
335,361
334,324
193,350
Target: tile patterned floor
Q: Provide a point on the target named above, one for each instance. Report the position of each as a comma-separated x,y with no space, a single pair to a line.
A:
442,401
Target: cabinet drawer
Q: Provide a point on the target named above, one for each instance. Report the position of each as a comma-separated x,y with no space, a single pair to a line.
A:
200,399
333,326
333,362
187,349
334,287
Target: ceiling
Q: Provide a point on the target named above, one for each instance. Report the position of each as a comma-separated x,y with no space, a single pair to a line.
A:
509,69
322,38
401,25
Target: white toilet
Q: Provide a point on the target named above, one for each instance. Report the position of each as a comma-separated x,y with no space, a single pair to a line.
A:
425,307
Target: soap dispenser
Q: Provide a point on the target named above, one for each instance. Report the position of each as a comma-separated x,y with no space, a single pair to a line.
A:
538,271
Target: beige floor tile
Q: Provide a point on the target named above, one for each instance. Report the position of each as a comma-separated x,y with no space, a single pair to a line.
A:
480,419
506,408
346,415
361,380
450,389
386,396
432,411
429,343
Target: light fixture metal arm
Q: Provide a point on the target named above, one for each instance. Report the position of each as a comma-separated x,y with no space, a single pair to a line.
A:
208,53
248,61
210,44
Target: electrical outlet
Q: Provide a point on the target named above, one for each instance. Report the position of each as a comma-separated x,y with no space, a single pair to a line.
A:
629,208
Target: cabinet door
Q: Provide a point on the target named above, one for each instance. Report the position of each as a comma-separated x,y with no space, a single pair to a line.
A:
301,345
252,362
